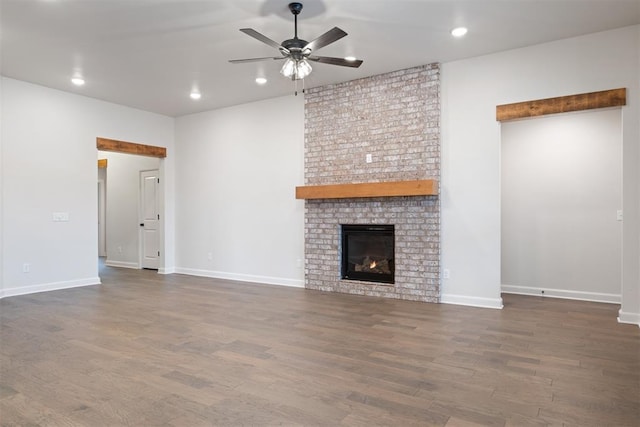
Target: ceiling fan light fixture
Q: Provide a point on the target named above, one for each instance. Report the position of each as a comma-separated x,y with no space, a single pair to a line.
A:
288,68
304,69
296,69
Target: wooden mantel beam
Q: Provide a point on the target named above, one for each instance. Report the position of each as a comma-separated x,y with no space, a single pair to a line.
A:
424,187
562,104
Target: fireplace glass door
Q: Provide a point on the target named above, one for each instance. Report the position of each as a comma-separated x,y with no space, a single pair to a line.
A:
368,253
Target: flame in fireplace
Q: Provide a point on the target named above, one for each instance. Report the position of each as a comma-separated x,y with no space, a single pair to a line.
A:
372,265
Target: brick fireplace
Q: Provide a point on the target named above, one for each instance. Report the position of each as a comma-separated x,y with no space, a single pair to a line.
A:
384,128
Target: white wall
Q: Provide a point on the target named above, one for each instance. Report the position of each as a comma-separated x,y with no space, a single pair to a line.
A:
49,165
471,89
561,189
123,199
236,212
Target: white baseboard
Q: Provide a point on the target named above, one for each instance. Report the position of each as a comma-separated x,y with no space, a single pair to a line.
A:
495,303
45,287
167,270
631,318
241,277
122,264
562,293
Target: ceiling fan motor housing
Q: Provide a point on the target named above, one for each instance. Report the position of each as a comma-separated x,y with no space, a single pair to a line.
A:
294,46
295,8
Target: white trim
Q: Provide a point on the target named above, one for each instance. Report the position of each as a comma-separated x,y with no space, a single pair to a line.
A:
241,277
562,293
122,264
168,270
631,318
54,286
495,303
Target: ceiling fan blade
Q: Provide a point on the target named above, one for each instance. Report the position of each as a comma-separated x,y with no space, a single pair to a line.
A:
264,39
329,37
335,61
241,61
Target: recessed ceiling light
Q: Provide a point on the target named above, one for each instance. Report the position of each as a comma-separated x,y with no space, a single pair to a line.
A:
261,80
78,81
459,32
350,58
195,95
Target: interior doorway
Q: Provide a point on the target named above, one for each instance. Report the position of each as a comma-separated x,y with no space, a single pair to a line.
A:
561,185
132,192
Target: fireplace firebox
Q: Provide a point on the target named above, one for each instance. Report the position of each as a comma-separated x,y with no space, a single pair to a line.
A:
368,253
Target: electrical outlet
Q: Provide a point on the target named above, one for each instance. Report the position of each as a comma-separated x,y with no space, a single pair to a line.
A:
119,249
446,274
369,158
60,216
619,215
26,267
209,256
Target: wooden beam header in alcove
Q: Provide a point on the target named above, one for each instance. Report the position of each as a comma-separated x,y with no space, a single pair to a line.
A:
105,144
562,104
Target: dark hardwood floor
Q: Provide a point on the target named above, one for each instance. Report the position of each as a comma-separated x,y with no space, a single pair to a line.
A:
149,350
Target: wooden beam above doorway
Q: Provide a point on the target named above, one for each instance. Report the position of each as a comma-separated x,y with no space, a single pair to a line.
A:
562,104
106,144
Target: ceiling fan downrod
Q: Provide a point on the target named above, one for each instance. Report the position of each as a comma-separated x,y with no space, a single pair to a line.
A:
295,8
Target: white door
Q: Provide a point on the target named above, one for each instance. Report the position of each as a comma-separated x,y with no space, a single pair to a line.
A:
102,229
150,219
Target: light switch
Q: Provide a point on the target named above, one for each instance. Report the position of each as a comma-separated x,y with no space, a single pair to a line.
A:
369,158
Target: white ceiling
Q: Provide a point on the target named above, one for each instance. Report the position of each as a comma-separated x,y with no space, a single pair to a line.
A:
149,54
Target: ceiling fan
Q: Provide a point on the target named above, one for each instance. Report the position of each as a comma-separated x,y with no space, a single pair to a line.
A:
297,52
